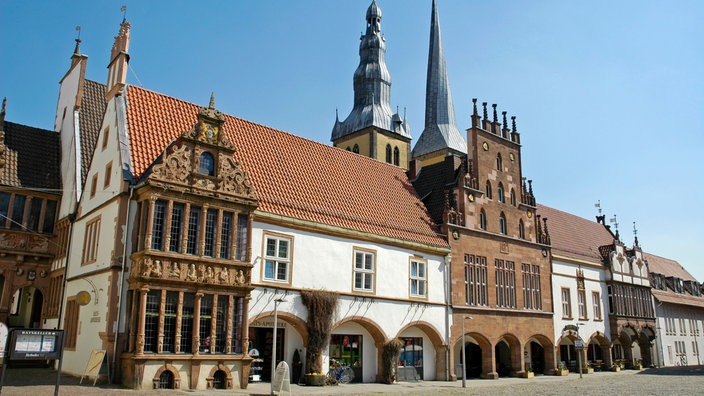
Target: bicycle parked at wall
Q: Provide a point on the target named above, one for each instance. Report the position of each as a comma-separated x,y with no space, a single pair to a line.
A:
340,372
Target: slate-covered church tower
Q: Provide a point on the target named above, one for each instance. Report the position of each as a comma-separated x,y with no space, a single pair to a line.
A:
371,128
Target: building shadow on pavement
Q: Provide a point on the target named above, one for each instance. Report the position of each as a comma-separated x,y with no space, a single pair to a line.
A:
678,370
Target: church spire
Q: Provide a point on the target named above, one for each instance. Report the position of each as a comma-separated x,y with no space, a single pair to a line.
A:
119,60
372,85
440,130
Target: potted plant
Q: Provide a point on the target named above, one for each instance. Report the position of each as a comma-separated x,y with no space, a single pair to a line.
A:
616,367
638,365
321,306
562,370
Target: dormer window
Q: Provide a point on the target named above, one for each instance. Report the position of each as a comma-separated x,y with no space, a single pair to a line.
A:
207,164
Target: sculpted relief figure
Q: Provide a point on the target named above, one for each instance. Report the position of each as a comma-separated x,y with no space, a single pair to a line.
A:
192,275
156,269
201,273
209,275
175,270
224,276
240,278
146,267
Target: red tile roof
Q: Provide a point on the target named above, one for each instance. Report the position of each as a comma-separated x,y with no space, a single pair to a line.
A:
667,267
292,176
573,236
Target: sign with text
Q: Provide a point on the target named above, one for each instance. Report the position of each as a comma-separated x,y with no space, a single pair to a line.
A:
35,344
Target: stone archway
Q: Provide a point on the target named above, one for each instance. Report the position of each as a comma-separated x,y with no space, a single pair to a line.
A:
478,353
379,338
169,369
645,342
628,337
211,377
435,338
599,351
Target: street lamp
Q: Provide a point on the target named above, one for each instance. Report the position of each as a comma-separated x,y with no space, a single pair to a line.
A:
273,347
580,346
464,357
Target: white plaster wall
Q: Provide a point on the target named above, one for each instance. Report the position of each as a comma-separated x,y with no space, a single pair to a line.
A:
106,244
665,311
327,262
564,275
91,321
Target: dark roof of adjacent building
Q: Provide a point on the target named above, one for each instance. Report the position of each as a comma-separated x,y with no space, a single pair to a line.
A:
667,267
32,158
292,176
433,181
91,114
575,237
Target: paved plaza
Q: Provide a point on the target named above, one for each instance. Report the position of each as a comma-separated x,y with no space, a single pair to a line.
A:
665,381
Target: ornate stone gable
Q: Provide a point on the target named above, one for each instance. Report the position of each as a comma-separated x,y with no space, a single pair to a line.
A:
201,161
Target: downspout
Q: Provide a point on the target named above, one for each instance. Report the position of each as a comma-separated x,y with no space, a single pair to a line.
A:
122,280
448,259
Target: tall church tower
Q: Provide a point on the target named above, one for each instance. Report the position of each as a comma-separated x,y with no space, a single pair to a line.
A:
371,128
440,136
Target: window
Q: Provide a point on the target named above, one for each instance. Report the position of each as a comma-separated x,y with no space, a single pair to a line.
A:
93,185
220,324
397,156
418,278
500,193
187,310
611,299
205,323
17,216
499,162
355,149
106,136
363,270
475,280
90,242
108,173
193,230
71,323
488,190
4,207
513,197
502,223
225,235
242,235
596,303
211,221
207,164
482,219
55,286
170,315
566,304
40,216
176,232
388,153
35,212
582,304
521,229
151,321
532,296
349,148
158,225
505,283
277,258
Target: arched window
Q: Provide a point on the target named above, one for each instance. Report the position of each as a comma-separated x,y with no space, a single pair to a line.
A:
521,229
219,380
488,189
388,153
513,197
207,164
500,193
499,162
482,219
355,149
397,156
349,148
166,380
502,223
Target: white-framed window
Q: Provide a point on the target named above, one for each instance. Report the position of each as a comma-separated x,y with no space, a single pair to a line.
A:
364,267
566,304
277,258
419,278
596,304
582,304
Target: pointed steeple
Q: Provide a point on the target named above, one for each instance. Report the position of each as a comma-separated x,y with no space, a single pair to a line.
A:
119,60
440,132
372,86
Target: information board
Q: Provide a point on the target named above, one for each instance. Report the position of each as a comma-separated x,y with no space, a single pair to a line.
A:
35,344
282,379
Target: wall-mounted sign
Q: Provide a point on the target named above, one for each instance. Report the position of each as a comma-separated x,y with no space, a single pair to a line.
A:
83,298
35,344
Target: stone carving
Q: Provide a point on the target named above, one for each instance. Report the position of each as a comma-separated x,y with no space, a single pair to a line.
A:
192,275
209,275
201,273
234,180
205,184
23,242
175,270
156,269
240,279
174,165
146,267
224,276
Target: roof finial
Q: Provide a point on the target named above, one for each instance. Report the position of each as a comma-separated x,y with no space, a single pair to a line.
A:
496,117
486,114
124,13
212,100
513,123
4,105
474,107
77,50
503,113
635,234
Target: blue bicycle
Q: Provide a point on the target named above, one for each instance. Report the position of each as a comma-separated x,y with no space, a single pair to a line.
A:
340,372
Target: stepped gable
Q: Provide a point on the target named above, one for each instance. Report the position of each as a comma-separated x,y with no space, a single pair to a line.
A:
575,237
91,114
31,158
292,176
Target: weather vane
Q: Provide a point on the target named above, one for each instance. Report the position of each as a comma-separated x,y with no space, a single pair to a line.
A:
614,221
598,206
124,12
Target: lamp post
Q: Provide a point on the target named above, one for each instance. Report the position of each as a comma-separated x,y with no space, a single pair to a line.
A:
464,357
273,347
579,350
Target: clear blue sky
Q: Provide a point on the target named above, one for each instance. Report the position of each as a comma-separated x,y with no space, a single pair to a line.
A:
609,95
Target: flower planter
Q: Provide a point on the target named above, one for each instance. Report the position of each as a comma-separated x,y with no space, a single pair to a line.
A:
315,380
562,372
528,374
616,369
